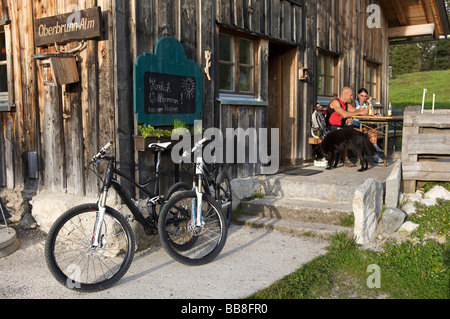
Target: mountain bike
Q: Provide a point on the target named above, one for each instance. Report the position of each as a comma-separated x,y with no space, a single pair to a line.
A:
91,246
192,226
214,183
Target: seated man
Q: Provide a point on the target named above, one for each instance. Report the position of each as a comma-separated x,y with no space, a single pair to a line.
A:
338,110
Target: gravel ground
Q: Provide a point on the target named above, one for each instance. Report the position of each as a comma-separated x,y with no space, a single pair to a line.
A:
251,260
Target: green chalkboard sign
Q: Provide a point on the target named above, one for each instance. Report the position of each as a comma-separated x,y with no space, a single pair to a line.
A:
167,86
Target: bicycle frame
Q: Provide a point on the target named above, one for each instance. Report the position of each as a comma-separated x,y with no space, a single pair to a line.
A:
111,181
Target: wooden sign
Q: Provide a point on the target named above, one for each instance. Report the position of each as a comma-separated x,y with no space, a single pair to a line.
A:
68,27
167,86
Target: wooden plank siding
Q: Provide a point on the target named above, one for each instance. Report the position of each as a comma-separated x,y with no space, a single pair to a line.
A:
425,146
66,125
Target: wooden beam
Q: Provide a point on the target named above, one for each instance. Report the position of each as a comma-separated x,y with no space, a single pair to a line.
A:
412,30
400,12
428,11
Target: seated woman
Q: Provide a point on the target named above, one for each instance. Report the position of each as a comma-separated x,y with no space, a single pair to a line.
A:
362,101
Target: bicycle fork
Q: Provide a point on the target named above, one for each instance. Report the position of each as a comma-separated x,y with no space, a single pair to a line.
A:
196,218
102,206
99,219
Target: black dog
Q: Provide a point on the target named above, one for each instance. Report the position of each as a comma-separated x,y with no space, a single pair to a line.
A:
338,141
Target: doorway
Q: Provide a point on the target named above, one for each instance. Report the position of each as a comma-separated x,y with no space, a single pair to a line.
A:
282,96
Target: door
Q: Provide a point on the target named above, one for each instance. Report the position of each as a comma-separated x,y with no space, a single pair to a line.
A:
282,96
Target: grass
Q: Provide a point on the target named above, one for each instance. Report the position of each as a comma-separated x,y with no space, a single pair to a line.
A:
414,269
407,89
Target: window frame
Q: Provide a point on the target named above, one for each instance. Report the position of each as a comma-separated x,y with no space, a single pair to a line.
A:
368,81
236,64
323,74
7,98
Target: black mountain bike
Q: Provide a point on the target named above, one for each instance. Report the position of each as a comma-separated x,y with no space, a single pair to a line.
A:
91,246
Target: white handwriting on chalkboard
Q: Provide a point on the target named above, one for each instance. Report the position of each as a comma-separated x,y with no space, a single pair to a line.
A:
160,98
161,87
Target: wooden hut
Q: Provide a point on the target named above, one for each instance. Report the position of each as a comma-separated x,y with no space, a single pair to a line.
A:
265,64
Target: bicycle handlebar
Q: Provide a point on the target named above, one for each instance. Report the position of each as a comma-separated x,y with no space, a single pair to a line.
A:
196,146
102,152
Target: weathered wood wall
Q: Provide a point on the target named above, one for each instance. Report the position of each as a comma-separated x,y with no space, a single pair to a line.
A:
342,30
66,125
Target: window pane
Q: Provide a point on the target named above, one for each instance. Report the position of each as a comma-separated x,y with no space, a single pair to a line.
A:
320,64
3,71
374,75
329,86
2,47
225,77
245,52
3,79
328,66
225,48
320,85
245,79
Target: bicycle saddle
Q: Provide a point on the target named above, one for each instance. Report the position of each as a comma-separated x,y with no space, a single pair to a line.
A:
160,145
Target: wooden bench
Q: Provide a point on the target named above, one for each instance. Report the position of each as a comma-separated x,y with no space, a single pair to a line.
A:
314,140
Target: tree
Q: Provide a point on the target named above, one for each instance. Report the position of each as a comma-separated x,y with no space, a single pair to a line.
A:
405,58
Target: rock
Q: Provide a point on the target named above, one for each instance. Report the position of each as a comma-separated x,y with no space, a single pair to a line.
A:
438,192
393,184
393,218
367,204
47,207
409,208
28,221
416,197
428,201
408,227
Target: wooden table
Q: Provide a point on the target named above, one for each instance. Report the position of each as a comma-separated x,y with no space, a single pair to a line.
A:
382,126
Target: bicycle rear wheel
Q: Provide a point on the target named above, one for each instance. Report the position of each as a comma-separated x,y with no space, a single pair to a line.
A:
72,259
200,244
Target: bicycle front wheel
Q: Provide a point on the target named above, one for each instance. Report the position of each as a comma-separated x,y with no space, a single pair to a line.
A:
224,195
75,262
181,237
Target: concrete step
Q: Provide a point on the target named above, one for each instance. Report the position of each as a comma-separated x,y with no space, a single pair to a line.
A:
305,210
317,218
294,187
300,228
8,241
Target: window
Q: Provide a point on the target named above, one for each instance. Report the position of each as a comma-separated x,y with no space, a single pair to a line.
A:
371,79
236,64
326,75
5,77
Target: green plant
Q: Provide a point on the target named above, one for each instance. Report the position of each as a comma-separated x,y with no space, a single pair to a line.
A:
341,241
347,220
148,131
426,187
434,220
252,197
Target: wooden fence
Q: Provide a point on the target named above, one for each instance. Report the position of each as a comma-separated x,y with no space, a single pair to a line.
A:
426,146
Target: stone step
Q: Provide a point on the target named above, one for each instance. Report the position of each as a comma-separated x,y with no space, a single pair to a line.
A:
8,241
294,227
294,187
318,218
290,209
